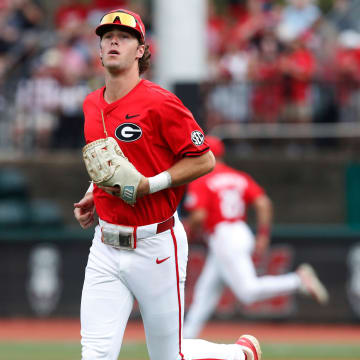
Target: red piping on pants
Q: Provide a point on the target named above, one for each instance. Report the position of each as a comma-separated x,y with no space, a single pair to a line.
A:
135,236
178,289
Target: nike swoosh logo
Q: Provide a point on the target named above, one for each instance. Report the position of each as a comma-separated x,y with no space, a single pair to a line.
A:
127,117
162,260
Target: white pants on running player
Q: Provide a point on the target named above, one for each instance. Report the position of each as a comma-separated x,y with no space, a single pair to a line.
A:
113,278
229,262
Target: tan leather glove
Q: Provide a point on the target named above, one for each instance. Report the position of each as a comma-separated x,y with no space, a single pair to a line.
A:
107,165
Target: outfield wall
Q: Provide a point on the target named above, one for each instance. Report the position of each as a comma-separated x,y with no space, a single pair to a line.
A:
42,273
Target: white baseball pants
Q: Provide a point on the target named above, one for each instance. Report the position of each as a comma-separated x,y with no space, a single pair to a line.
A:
114,278
229,262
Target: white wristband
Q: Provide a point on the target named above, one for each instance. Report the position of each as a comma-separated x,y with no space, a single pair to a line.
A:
91,188
159,182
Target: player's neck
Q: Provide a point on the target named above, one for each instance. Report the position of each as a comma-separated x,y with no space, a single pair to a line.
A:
117,86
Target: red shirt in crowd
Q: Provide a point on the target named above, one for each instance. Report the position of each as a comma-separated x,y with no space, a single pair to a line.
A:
67,14
302,62
267,96
346,69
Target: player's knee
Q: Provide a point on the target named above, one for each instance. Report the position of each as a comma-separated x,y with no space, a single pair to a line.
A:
248,294
247,299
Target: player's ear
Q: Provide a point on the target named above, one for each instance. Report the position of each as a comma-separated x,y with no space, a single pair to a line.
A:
100,47
101,58
140,51
100,54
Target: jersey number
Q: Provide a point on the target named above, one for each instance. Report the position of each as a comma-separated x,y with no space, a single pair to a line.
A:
231,203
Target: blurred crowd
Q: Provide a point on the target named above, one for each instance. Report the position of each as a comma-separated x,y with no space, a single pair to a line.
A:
49,62
289,61
269,61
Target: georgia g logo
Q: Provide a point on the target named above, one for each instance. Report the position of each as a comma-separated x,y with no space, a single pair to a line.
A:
197,137
128,132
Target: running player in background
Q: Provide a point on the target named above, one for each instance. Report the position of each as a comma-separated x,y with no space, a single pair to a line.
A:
140,251
218,204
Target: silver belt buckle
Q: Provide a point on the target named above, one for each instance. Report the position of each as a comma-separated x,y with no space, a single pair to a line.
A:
119,238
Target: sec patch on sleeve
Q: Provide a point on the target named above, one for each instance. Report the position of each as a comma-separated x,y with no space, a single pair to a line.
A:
197,137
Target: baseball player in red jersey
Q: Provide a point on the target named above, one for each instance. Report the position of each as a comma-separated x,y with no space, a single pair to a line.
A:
218,203
139,250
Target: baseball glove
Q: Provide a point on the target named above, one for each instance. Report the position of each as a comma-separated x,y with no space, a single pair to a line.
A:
108,166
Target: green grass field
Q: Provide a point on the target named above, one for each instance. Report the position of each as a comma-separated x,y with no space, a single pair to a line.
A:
137,351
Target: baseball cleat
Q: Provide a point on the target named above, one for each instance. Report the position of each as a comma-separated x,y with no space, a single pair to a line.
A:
311,284
251,347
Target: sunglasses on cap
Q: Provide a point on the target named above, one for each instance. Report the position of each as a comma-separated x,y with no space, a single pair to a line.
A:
120,18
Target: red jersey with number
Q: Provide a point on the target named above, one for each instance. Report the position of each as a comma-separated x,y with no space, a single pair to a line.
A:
154,130
225,194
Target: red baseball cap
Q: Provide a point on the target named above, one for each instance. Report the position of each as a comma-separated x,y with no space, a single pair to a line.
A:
216,145
124,18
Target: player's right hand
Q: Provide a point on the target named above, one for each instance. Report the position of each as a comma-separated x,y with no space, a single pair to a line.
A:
84,211
261,244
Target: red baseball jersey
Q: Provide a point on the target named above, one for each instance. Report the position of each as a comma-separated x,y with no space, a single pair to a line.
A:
225,194
154,130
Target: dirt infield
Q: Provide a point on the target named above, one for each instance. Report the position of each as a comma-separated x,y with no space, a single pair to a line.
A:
69,329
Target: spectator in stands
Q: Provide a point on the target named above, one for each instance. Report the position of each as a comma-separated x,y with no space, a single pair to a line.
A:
20,21
344,15
69,12
74,53
8,36
227,102
254,21
73,90
233,64
217,25
26,14
346,69
251,23
35,109
267,80
298,66
298,17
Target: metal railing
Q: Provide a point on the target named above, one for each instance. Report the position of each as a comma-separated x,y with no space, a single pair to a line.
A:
287,131
229,111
